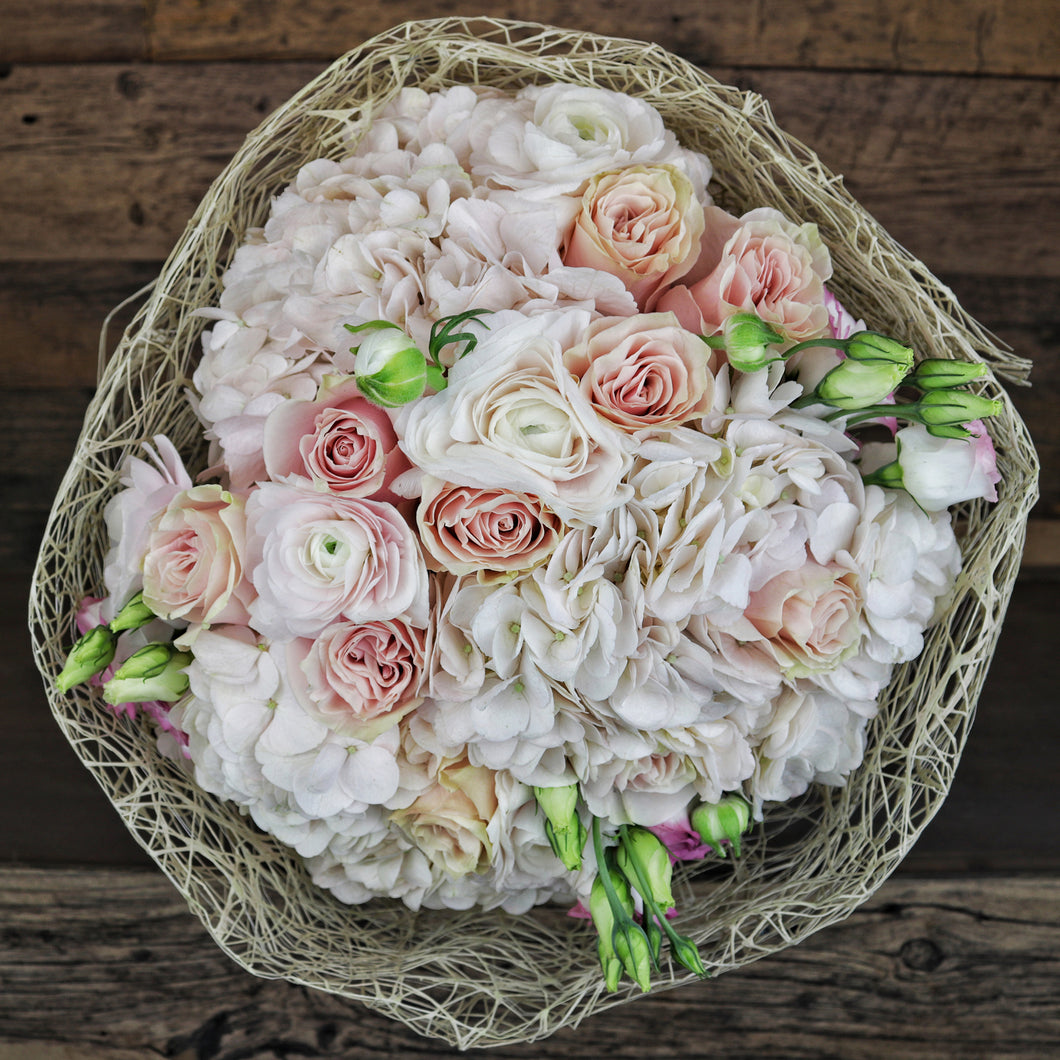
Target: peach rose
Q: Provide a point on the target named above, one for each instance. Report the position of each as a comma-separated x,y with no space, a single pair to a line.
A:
642,224
810,617
193,568
468,528
359,679
761,263
448,822
643,371
340,441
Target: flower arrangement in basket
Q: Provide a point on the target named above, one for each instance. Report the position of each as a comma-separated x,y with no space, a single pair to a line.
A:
576,505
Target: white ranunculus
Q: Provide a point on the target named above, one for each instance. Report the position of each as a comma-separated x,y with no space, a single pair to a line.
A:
513,417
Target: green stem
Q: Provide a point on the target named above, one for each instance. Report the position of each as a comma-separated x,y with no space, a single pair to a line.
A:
602,870
810,344
715,342
906,412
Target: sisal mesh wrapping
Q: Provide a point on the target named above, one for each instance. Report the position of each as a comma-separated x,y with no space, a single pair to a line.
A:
477,979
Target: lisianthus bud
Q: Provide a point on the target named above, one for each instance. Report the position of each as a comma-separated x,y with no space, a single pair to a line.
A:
722,822
390,368
645,862
858,384
563,826
952,408
870,347
687,955
747,342
155,672
91,655
132,616
604,921
941,373
634,951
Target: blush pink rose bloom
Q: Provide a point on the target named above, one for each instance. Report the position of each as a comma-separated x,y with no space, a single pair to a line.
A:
760,263
810,617
471,528
193,567
359,679
642,224
315,557
340,441
643,371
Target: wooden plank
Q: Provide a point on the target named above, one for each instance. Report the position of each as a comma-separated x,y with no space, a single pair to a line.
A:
41,31
109,963
980,36
109,162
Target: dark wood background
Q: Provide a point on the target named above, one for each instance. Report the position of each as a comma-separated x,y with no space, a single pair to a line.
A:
115,115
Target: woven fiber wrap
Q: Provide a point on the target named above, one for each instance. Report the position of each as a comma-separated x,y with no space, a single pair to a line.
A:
476,978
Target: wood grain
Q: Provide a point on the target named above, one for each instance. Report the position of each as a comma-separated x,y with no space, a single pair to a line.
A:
109,161
109,963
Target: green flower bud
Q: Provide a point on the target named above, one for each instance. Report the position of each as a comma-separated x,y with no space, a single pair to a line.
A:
855,385
870,347
563,826
747,339
722,822
687,955
644,861
153,673
612,967
632,948
91,655
389,367
133,615
940,373
954,408
655,937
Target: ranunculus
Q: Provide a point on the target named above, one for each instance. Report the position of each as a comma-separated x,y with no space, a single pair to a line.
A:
360,678
810,617
315,557
340,441
761,263
643,371
468,529
448,822
512,417
642,224
193,568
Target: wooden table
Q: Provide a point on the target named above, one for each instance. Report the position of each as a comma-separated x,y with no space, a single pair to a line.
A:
943,117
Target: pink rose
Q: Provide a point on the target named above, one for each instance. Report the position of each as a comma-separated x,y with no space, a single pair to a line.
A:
340,441
359,679
641,224
469,528
810,617
193,568
761,263
314,557
643,371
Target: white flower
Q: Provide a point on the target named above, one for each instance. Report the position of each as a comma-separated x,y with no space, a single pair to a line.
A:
513,417
940,472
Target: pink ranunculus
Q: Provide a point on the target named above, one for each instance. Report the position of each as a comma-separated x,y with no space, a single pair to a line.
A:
314,557
359,679
766,265
643,371
810,617
193,568
469,528
642,224
339,441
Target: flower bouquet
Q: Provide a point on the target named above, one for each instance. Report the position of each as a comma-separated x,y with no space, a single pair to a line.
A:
531,472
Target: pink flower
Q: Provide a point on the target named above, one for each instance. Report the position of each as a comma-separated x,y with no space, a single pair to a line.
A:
315,557
682,841
193,569
810,617
470,528
359,679
761,263
340,441
642,224
643,371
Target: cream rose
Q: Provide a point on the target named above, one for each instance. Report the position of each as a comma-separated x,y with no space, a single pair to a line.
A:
448,822
359,678
468,529
193,568
642,224
643,371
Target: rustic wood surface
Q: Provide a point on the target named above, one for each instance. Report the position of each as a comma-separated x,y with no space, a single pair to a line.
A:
942,116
